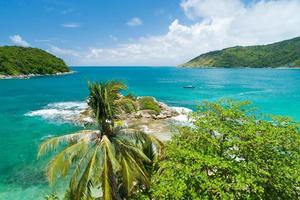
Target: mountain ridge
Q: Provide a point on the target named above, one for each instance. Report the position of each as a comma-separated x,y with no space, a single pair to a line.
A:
285,53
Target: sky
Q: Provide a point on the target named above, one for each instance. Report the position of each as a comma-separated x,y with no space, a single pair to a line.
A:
144,32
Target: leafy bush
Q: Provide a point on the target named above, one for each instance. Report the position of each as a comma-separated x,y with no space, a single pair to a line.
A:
148,103
230,154
128,105
131,96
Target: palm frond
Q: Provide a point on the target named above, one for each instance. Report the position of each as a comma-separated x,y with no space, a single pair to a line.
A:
127,175
52,143
81,164
102,101
159,145
142,140
106,183
61,163
130,147
86,180
107,147
137,165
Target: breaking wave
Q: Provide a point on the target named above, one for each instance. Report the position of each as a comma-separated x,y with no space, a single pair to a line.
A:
70,112
61,112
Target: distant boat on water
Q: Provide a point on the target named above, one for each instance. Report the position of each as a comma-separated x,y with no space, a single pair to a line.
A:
189,86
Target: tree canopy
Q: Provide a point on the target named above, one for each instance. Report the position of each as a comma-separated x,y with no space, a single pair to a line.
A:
15,60
230,154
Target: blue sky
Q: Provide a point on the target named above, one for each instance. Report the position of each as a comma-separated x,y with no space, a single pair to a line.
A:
100,21
143,32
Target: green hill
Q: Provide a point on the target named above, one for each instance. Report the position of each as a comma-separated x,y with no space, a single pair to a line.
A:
279,54
16,60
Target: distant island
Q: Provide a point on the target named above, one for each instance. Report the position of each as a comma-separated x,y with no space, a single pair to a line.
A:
24,62
280,54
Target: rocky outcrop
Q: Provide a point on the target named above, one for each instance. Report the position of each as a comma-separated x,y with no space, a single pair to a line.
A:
165,113
149,121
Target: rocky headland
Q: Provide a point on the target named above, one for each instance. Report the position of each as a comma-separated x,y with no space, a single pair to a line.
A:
147,115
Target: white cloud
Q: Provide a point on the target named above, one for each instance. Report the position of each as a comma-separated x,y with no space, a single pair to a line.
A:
63,52
212,8
216,25
18,40
135,22
71,25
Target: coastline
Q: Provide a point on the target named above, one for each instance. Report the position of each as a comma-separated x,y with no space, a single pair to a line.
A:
206,67
27,76
76,113
22,174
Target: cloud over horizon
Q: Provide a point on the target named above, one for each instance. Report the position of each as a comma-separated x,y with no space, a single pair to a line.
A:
19,41
215,25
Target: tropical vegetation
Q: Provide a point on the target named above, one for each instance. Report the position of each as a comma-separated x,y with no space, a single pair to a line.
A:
148,103
229,153
107,162
280,54
15,60
52,196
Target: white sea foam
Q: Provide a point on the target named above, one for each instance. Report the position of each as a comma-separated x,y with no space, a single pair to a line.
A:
69,112
184,116
181,118
182,110
62,112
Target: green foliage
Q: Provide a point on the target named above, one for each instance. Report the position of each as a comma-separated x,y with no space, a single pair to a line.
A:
16,60
131,96
107,163
52,196
280,54
230,154
128,105
103,102
148,103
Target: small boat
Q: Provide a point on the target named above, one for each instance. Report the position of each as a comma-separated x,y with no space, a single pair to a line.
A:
189,86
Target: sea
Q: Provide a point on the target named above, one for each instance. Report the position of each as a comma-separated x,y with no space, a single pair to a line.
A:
32,110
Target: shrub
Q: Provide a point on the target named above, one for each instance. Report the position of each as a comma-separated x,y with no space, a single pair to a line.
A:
127,105
230,154
148,103
131,96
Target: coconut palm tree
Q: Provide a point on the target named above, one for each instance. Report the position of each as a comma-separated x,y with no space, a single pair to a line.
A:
102,100
106,163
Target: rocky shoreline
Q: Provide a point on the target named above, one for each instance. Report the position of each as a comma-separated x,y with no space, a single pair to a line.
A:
27,76
160,124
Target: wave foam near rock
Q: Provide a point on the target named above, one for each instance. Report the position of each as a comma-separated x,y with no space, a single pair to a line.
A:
61,112
70,112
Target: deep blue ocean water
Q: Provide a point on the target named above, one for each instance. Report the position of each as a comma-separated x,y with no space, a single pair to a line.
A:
273,91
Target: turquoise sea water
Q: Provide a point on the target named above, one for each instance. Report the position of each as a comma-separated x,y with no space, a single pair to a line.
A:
273,91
